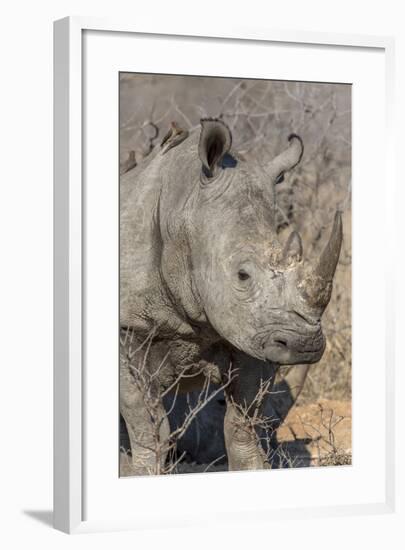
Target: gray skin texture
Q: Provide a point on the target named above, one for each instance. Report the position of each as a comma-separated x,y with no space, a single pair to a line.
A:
202,267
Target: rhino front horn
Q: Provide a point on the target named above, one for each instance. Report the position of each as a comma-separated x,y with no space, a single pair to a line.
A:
329,258
316,286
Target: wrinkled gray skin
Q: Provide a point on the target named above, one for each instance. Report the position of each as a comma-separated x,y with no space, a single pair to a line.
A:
201,264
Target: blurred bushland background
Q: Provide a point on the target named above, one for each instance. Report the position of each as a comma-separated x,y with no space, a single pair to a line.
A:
261,114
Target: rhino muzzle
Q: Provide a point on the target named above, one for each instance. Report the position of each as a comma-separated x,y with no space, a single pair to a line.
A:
292,346
298,337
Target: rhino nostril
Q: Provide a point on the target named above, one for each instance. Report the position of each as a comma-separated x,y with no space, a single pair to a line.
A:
281,342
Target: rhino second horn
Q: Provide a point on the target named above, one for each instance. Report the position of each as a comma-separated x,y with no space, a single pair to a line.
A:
293,249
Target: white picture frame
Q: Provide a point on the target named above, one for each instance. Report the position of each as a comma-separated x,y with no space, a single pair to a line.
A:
72,249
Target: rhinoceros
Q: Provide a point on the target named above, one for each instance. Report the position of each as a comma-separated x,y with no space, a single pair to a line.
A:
203,271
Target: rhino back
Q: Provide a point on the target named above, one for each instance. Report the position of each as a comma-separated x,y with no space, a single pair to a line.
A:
160,184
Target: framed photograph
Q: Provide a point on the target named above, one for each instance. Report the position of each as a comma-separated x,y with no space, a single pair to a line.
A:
216,215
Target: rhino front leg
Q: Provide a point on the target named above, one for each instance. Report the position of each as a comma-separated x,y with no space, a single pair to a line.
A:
243,447
148,429
243,450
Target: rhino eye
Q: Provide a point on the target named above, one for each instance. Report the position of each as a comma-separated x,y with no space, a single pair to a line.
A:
243,276
280,178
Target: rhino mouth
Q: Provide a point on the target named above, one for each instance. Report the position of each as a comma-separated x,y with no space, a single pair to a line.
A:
289,347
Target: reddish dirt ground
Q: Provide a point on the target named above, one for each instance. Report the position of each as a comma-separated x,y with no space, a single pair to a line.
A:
318,434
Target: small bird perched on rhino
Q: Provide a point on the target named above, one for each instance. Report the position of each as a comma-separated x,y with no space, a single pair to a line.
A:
174,137
129,163
206,282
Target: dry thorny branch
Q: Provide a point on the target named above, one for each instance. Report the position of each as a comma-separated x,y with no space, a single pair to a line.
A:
329,453
257,112
251,420
148,381
334,455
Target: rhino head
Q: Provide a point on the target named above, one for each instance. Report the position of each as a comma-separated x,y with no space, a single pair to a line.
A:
259,295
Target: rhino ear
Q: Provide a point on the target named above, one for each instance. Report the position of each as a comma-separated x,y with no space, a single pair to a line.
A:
288,159
215,142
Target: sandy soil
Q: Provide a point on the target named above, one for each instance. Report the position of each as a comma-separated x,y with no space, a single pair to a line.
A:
318,434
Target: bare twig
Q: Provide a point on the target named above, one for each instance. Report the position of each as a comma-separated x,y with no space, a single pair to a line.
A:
148,380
